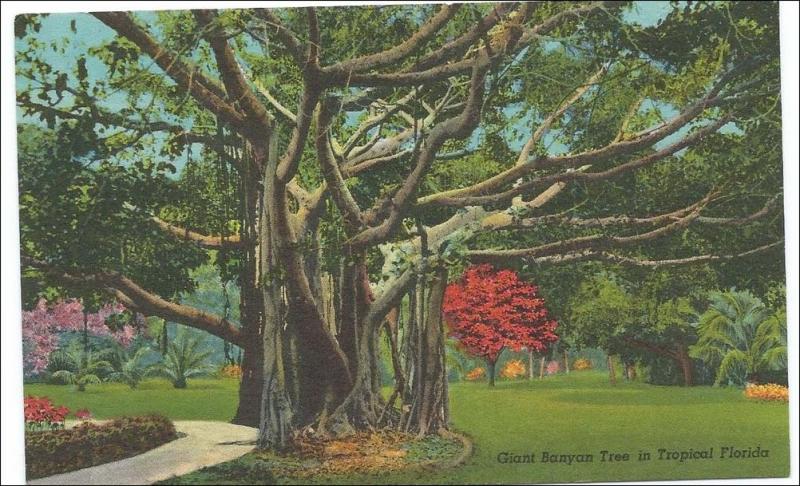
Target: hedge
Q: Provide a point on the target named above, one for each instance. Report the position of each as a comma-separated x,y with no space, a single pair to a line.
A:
88,444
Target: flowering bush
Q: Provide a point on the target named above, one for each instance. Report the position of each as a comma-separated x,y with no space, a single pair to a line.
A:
476,374
581,364
513,369
88,444
41,414
769,392
552,368
42,326
83,414
230,371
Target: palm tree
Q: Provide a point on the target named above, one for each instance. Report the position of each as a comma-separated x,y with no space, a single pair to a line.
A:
130,368
183,359
86,369
739,332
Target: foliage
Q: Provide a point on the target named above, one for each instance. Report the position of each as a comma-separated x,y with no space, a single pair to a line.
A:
185,358
740,335
513,369
582,364
43,326
88,369
41,414
476,374
490,310
88,444
768,392
130,367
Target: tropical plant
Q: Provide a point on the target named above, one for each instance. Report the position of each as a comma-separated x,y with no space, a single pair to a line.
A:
129,368
88,369
741,334
184,359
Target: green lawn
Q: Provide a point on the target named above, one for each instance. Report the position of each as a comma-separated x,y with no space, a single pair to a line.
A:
204,399
578,413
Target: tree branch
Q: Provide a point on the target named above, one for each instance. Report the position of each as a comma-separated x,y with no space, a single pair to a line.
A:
147,302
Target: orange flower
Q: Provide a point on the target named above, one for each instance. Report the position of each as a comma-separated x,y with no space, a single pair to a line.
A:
582,364
476,374
513,369
768,392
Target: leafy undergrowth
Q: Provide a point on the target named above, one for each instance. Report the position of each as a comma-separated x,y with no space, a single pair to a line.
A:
327,461
58,451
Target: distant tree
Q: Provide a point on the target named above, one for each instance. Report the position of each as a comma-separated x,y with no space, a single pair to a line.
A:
741,334
488,311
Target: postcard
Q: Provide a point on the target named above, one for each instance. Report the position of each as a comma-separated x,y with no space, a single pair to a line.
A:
428,243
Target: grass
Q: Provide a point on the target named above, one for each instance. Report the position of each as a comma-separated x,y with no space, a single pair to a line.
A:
578,413
204,399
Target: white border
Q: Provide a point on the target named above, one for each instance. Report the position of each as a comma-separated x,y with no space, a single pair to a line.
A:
12,436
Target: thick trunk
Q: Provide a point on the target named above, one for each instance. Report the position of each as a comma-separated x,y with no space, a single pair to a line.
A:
430,405
252,382
490,370
685,362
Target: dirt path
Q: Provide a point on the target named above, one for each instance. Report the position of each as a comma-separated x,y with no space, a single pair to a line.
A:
205,444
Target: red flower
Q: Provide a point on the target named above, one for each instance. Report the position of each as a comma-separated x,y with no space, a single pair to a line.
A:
83,414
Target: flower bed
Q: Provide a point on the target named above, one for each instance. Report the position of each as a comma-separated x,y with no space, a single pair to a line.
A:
59,451
41,414
770,392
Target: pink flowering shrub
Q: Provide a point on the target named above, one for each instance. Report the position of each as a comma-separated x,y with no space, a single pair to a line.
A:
43,325
553,367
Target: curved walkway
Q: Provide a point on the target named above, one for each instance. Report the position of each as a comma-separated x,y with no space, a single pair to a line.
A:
205,444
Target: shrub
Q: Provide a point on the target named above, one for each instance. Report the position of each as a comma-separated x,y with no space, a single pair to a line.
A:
184,359
769,392
553,367
230,371
41,414
581,364
513,369
88,444
476,374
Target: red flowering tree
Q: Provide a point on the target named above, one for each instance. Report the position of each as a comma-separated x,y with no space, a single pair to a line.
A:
490,310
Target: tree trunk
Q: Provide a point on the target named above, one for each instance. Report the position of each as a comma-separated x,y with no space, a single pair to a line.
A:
530,365
541,368
612,373
250,388
490,370
431,403
685,363
566,361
